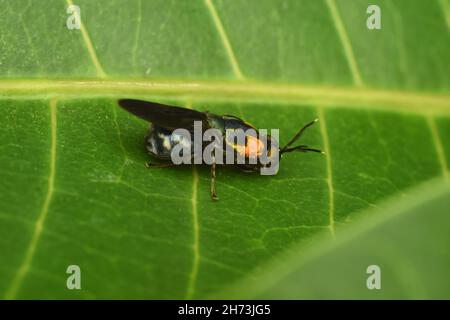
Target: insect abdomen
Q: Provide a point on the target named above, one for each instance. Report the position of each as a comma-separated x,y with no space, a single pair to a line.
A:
160,142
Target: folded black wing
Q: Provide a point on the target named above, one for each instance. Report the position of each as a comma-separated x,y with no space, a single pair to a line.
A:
169,117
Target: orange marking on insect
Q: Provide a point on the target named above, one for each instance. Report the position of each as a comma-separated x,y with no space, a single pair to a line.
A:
254,147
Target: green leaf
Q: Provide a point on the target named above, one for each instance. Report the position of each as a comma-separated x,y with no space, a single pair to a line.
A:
407,241
74,189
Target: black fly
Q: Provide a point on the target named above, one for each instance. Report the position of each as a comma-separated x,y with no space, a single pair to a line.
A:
165,119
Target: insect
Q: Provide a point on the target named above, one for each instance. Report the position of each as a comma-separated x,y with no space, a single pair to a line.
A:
164,119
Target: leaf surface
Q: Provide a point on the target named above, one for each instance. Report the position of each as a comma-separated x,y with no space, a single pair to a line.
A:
74,189
399,253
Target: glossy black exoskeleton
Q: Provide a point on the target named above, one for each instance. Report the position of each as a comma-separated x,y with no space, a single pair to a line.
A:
164,119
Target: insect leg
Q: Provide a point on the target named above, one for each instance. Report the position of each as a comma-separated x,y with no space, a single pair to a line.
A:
213,178
159,165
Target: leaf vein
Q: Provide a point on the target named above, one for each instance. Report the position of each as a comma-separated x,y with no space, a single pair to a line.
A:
192,279
326,145
137,34
343,36
223,36
89,46
263,92
439,147
39,224
446,11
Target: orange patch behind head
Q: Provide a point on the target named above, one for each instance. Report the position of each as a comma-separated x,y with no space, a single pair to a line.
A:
254,147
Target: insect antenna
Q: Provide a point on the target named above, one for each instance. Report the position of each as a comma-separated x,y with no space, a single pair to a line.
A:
288,148
302,149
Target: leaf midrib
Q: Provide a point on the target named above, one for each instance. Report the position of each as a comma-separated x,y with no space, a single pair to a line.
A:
232,90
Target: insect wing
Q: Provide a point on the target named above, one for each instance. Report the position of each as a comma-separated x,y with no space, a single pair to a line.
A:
169,117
